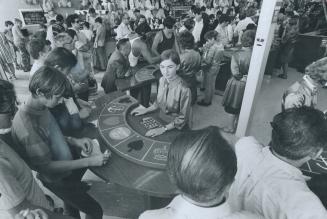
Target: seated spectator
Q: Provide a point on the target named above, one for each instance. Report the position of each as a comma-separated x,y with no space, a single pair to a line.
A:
39,50
212,57
18,188
118,66
69,114
190,62
202,165
268,180
32,131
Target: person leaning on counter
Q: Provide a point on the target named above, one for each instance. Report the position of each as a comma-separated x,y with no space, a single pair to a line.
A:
173,99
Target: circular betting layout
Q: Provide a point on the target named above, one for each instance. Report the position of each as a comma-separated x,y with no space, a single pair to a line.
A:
119,133
114,120
127,140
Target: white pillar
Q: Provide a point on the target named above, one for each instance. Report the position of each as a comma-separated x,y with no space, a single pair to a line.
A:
259,57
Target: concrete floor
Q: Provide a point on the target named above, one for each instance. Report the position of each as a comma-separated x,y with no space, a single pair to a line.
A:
119,202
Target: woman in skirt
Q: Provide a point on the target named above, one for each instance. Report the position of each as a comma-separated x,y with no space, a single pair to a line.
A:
233,96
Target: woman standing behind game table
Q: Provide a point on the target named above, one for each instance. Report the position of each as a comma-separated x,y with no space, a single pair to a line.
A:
173,99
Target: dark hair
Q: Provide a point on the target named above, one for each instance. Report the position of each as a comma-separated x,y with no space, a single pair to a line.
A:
223,18
61,57
169,22
98,20
298,132
35,47
86,24
212,34
242,15
203,8
72,33
121,42
211,16
91,11
170,54
71,19
186,40
193,7
189,23
202,164
7,23
50,81
40,35
251,26
248,37
7,97
136,11
59,18
197,11
142,29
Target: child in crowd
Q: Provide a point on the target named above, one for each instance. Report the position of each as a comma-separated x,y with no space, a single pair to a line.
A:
32,129
202,165
268,180
212,57
39,50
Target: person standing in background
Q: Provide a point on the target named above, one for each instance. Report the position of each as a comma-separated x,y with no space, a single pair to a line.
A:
20,42
99,45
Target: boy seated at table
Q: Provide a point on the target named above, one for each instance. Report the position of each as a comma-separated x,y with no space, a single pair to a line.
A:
18,188
202,165
72,111
268,179
32,131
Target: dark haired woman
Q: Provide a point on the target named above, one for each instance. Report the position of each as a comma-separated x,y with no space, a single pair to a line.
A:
173,99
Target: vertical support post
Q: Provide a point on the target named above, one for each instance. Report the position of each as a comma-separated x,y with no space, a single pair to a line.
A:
259,57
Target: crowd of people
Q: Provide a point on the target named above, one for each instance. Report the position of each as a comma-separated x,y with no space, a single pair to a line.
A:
214,179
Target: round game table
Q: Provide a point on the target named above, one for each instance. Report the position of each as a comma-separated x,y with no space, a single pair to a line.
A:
137,162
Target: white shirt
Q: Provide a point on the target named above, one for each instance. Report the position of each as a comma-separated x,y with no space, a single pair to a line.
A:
122,31
36,65
271,187
179,208
242,24
223,34
197,30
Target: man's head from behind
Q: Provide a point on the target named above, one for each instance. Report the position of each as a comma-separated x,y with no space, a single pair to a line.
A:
299,133
202,165
49,86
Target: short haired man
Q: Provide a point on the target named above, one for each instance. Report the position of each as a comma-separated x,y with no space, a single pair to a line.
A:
118,66
202,165
268,180
32,131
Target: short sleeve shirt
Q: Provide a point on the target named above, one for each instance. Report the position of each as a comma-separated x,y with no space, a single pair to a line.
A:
266,185
30,130
17,182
